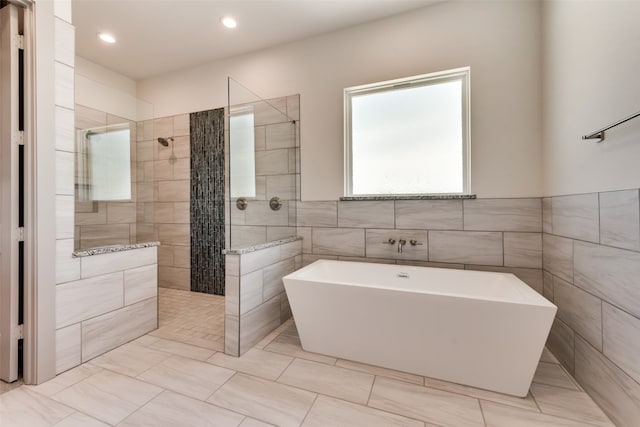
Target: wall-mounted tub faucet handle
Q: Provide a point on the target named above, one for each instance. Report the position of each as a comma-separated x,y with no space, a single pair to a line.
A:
390,241
401,243
415,243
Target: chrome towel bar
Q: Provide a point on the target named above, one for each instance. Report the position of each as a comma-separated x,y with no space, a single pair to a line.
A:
599,134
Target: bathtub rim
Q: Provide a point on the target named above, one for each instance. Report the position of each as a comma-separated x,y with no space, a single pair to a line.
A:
531,296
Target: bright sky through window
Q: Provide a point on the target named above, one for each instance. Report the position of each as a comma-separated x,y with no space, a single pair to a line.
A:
408,138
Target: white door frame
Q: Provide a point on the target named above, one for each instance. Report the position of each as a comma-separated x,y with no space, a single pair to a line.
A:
39,355
39,338
10,138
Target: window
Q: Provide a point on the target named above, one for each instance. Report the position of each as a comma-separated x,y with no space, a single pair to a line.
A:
103,160
408,136
242,148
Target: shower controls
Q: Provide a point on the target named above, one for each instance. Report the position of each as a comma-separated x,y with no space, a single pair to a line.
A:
241,203
275,204
390,241
415,243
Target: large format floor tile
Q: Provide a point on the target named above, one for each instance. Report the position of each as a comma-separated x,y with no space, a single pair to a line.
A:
170,410
519,402
382,372
553,374
497,415
78,419
430,405
130,359
330,380
187,376
164,379
260,363
265,400
575,405
250,422
5,387
290,345
24,408
108,396
327,411
181,349
66,379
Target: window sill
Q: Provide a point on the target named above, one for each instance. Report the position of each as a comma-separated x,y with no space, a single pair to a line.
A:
415,197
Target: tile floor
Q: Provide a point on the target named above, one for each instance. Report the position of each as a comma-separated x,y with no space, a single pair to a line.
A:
177,376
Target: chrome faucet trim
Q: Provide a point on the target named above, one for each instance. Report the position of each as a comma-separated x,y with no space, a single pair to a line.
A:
401,243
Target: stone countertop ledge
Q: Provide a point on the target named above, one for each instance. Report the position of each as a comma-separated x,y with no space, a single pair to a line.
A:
113,248
415,197
247,249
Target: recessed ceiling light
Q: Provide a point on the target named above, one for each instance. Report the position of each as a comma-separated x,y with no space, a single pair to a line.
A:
107,38
229,22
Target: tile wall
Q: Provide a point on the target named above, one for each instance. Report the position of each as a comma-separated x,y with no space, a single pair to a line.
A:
67,268
163,196
109,299
591,246
277,157
101,223
255,301
503,235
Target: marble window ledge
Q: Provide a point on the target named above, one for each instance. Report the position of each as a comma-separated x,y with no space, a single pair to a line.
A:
247,249
413,197
112,248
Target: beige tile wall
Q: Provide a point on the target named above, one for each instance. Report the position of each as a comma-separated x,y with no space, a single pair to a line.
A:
592,273
255,301
485,234
164,192
109,300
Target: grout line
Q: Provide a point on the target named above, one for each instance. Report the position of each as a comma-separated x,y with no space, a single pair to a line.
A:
601,328
221,385
293,358
484,420
371,389
315,399
536,402
599,220
143,405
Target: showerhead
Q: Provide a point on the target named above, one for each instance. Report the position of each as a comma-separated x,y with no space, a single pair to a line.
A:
165,141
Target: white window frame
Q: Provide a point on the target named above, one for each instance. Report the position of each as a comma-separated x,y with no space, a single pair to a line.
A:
458,74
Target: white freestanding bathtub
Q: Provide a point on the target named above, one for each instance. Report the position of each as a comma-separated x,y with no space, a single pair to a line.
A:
476,328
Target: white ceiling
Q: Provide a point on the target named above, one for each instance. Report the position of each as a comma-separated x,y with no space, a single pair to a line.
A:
160,36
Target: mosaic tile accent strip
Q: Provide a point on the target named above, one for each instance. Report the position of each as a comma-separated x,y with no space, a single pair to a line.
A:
207,201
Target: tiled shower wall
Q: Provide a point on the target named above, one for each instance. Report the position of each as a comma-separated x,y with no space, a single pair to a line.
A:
501,235
163,190
591,246
277,161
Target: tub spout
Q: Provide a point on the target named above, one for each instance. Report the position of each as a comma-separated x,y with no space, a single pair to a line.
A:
401,243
